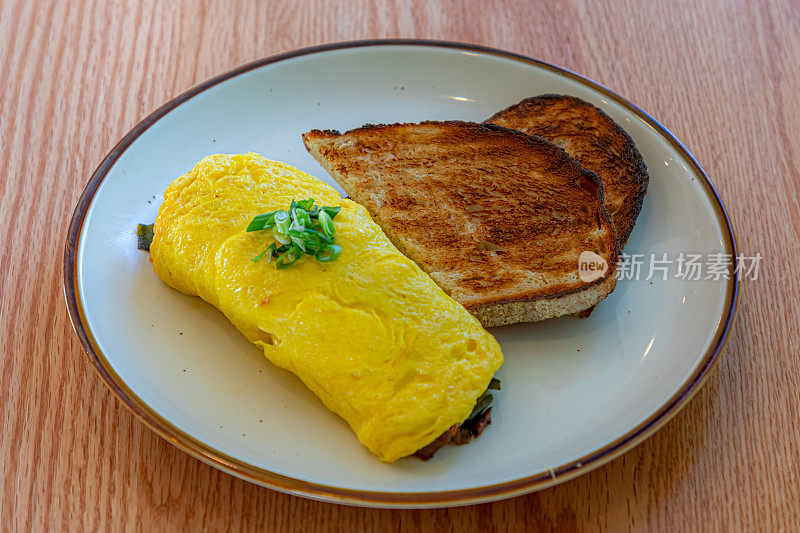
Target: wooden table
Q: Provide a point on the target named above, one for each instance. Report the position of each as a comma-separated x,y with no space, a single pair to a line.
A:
76,75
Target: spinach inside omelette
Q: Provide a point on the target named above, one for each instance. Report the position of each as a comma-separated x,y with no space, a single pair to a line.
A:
370,333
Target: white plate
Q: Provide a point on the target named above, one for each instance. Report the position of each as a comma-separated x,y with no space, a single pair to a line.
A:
576,393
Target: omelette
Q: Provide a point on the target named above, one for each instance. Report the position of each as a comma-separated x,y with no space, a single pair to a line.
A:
370,333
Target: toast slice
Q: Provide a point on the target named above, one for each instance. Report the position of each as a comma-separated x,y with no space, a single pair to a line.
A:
497,218
597,142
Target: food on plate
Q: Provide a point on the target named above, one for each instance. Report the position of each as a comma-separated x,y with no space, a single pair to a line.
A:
475,423
369,333
597,142
144,236
499,219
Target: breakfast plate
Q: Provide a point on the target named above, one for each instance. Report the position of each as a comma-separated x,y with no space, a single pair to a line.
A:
576,392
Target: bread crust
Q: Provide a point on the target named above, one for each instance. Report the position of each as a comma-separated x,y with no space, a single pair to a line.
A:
475,172
574,303
598,143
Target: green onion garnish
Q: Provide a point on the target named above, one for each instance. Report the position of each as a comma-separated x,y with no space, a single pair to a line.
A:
332,211
270,250
307,205
302,229
328,253
326,223
302,217
286,259
265,221
281,228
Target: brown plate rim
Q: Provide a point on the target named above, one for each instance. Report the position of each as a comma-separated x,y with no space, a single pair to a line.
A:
372,498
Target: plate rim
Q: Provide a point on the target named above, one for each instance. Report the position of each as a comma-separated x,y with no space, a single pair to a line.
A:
334,494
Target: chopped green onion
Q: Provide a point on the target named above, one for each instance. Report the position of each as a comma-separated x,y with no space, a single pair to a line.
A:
332,211
328,253
302,217
286,259
265,221
316,236
281,229
324,239
297,238
307,239
270,249
281,237
494,384
282,219
304,228
326,223
306,205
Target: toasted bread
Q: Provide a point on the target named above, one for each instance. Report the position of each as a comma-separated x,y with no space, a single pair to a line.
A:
496,217
597,142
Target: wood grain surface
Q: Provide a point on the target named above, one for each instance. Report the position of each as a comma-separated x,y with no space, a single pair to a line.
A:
76,75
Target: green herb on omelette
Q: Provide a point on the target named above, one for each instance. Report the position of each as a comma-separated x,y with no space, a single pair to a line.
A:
303,229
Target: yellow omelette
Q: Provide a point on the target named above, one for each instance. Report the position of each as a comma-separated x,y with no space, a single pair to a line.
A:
369,333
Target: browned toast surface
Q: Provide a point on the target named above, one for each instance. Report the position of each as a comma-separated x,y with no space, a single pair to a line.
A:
597,142
496,217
